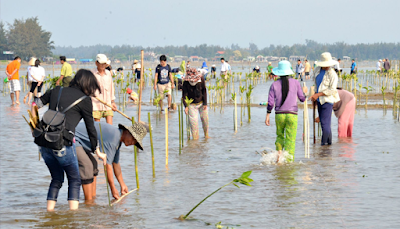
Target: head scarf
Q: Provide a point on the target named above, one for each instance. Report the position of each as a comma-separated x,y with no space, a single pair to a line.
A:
192,76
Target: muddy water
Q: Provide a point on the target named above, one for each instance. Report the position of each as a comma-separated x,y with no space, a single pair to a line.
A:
352,184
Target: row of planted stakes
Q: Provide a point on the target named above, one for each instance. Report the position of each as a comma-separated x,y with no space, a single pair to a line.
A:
383,87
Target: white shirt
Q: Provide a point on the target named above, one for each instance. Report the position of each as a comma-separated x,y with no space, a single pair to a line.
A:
337,66
224,67
30,79
37,72
378,66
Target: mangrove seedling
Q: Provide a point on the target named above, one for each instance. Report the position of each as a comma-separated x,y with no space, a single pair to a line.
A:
383,89
188,102
243,179
368,90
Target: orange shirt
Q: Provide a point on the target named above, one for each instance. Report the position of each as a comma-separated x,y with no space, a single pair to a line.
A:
11,67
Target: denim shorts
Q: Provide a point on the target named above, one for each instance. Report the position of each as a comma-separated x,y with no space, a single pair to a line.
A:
58,162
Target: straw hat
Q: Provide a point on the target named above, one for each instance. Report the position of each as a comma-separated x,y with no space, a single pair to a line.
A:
135,61
32,61
284,69
138,66
138,131
326,60
257,67
269,62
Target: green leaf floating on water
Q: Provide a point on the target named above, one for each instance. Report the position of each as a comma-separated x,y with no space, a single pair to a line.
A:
243,179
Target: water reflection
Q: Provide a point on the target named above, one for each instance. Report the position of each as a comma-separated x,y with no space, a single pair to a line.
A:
347,148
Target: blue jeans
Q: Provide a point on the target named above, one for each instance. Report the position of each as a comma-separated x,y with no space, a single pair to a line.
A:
325,115
58,162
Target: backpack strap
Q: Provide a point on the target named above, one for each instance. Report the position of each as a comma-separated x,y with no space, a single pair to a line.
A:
59,96
74,103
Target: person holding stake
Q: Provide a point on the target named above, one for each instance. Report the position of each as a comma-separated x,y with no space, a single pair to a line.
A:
325,79
194,87
106,94
283,94
113,137
163,81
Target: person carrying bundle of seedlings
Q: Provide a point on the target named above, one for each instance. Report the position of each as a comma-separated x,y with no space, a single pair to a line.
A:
283,94
325,79
194,87
113,138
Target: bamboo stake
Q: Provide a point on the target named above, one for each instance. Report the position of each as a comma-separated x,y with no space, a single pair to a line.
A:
108,105
136,166
235,125
123,196
180,136
105,167
141,84
166,136
151,144
314,103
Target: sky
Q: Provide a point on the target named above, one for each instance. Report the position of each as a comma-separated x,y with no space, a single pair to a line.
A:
151,23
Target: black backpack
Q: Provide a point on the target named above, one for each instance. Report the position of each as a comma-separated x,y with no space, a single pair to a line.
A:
51,129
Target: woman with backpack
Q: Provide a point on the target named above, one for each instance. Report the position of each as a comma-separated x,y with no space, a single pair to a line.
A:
75,102
194,87
283,94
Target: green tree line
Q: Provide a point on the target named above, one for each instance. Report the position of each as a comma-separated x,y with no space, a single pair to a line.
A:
311,49
25,38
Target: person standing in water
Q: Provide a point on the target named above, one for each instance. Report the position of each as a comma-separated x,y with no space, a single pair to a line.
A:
283,94
325,79
194,87
31,63
64,161
106,94
163,81
12,72
113,138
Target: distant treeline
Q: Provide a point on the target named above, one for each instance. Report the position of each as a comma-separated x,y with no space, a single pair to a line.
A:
311,49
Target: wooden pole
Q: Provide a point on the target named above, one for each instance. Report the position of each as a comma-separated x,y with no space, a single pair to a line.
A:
166,136
141,84
108,105
235,114
136,166
116,202
314,121
151,144
180,136
105,167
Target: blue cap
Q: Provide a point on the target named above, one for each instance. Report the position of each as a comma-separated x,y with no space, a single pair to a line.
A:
284,69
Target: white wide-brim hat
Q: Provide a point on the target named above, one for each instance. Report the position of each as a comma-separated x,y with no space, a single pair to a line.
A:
102,59
326,60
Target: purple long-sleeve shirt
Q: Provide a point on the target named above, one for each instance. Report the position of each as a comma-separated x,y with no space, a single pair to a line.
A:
290,104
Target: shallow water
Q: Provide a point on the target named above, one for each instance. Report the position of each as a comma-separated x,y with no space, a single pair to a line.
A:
352,184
